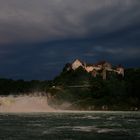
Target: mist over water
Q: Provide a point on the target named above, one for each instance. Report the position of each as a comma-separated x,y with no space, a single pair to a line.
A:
25,103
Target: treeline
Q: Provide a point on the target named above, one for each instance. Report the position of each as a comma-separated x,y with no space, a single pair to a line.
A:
16,87
82,90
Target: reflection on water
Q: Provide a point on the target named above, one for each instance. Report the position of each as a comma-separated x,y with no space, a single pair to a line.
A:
70,126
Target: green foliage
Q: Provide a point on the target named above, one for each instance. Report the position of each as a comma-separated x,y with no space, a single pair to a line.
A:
79,76
115,92
83,90
132,79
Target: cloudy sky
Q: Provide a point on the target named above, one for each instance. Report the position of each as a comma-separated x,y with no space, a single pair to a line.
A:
37,37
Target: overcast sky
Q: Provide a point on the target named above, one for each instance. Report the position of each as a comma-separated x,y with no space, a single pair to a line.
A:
37,37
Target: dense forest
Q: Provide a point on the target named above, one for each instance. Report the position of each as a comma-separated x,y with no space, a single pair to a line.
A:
79,90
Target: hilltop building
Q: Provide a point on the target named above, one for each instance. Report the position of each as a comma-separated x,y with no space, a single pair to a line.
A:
76,64
95,69
120,70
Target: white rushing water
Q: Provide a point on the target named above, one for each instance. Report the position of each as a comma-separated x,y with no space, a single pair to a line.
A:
24,103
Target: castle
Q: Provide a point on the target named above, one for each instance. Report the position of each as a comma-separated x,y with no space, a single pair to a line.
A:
95,69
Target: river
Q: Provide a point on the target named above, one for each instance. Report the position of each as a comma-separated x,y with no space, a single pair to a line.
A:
95,125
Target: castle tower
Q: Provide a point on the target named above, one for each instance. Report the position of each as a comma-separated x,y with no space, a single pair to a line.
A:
120,70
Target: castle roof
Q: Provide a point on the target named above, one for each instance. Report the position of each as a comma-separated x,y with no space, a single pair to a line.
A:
79,61
120,66
88,64
101,63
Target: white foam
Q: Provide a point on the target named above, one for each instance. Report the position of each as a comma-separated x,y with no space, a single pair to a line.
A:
107,130
84,128
88,117
25,104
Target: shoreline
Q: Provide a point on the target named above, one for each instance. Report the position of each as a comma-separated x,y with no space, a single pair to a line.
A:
74,112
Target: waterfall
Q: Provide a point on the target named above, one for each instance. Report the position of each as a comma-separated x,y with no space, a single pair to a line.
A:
25,103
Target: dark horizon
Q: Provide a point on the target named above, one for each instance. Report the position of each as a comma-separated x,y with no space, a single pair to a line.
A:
58,72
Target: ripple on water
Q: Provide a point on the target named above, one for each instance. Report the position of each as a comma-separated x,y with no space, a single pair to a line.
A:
88,117
108,130
96,129
79,125
84,128
111,118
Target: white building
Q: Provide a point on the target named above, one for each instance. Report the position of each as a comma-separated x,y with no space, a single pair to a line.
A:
76,64
120,70
95,69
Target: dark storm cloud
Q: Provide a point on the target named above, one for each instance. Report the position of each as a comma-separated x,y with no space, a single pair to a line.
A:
38,20
46,60
37,37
